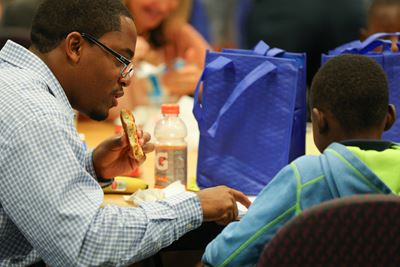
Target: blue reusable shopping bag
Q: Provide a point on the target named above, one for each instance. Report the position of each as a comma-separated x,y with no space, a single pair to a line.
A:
390,62
298,139
246,119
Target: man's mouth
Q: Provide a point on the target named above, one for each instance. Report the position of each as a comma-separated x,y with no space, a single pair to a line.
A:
116,96
119,94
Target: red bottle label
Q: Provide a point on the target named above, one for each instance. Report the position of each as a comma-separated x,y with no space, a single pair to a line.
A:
170,165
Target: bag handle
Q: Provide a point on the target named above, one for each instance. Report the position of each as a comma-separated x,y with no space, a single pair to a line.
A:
368,44
375,40
265,50
257,73
217,64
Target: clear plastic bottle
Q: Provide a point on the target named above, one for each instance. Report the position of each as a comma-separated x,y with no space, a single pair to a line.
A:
170,147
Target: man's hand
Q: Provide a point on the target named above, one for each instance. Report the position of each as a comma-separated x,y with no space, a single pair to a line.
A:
219,204
114,157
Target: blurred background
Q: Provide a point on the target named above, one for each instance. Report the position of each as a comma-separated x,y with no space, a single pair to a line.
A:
174,35
311,26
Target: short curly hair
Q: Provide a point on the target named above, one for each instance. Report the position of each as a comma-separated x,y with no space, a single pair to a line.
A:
354,89
55,19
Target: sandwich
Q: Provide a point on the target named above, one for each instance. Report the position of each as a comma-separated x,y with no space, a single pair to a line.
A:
129,126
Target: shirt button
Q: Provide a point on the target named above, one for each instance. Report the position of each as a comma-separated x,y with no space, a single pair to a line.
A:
189,226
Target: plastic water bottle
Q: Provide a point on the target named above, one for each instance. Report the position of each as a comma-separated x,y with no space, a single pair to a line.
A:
170,148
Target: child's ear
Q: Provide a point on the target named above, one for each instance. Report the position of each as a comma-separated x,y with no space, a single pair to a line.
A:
319,119
390,117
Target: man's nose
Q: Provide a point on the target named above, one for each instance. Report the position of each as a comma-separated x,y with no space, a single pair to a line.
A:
125,81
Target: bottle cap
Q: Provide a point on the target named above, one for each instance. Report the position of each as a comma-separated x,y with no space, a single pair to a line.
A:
170,109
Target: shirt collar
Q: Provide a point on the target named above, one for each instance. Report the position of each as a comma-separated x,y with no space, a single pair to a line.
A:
368,144
21,57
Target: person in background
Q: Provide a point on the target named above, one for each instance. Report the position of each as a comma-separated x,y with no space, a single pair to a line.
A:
350,111
165,40
50,198
19,13
312,26
1,10
222,15
17,21
383,16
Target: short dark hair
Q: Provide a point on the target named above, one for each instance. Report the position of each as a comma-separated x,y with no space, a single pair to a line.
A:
55,19
354,89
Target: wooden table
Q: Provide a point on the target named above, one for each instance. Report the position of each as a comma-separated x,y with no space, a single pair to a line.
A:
95,132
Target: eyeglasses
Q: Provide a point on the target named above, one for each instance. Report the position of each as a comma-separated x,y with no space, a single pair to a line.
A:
127,70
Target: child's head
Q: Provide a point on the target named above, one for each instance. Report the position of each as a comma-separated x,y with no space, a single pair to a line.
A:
383,16
349,100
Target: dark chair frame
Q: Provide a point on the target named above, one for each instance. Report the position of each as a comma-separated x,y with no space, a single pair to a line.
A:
361,230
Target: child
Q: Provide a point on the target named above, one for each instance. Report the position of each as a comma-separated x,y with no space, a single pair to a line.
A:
383,16
349,112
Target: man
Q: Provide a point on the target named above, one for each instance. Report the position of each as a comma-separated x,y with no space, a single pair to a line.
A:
50,198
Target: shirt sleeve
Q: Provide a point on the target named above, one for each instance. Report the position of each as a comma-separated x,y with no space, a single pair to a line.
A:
241,242
54,201
90,169
89,163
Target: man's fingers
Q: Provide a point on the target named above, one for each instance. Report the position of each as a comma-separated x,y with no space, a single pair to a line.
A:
148,147
241,198
226,218
231,214
143,159
146,137
220,204
235,210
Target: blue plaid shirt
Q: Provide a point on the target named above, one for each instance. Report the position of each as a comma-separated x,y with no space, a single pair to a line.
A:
49,196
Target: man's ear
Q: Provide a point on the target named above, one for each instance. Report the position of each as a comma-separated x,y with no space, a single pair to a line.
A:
390,117
73,47
318,118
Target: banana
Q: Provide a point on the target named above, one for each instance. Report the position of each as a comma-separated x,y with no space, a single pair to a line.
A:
125,185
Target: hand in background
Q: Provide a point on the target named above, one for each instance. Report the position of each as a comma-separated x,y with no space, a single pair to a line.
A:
114,156
219,204
182,81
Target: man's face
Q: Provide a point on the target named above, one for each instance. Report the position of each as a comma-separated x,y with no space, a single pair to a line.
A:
100,81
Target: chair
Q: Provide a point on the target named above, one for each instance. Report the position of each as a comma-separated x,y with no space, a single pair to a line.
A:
361,230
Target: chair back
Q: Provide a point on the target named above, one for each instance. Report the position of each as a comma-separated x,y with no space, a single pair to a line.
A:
361,230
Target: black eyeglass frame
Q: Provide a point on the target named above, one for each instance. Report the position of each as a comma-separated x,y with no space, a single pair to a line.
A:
118,56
